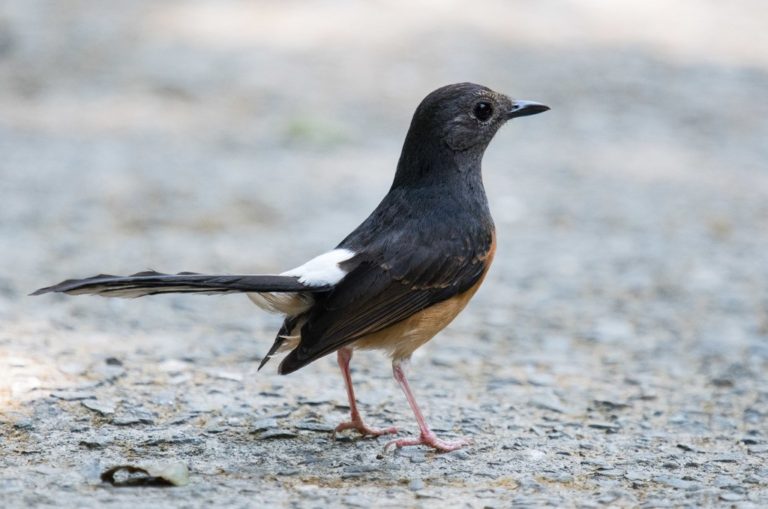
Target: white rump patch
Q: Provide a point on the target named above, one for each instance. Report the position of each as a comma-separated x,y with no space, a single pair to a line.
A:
322,270
289,304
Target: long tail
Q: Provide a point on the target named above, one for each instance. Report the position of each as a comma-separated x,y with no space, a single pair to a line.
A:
153,283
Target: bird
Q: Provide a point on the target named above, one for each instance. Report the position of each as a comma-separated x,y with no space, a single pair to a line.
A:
397,279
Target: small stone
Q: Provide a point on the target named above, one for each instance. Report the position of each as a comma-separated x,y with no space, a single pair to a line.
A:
361,469
95,442
609,472
275,434
548,402
174,439
320,427
108,372
72,396
418,458
613,330
557,477
225,375
263,425
73,368
23,423
677,483
604,404
416,485
505,382
730,496
314,401
99,406
535,455
610,427
173,366
164,398
541,380
723,382
609,497
459,454
175,473
180,378
132,417
636,475
728,458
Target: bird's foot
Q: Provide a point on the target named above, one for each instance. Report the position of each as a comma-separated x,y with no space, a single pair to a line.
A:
431,440
362,428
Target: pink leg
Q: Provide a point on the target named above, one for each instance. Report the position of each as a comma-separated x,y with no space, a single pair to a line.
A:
344,355
426,436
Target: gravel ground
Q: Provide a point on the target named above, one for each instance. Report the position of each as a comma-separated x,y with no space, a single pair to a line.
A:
616,355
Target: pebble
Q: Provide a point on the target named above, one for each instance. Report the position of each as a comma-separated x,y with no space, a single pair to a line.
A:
728,458
314,426
415,457
165,398
558,477
225,375
95,442
459,454
276,434
173,366
107,372
263,424
133,417
72,396
609,472
637,475
610,427
676,482
99,406
416,485
23,423
548,402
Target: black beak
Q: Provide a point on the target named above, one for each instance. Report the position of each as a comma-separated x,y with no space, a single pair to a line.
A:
525,108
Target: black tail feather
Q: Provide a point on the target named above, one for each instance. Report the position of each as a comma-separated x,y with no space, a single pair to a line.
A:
152,283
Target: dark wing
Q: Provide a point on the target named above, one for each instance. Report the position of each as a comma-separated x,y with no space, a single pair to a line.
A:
376,294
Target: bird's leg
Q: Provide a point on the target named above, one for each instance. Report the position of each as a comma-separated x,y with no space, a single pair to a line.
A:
344,355
426,436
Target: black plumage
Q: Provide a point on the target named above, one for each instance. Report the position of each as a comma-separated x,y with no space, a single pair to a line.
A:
150,282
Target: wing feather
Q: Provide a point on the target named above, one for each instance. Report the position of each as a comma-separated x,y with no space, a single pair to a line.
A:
375,295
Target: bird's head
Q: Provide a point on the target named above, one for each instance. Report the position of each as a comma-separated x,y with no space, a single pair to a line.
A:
466,116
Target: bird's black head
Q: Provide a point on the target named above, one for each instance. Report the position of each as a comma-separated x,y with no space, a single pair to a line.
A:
466,116
452,127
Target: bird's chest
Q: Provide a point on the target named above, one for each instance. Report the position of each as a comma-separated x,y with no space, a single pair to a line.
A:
403,338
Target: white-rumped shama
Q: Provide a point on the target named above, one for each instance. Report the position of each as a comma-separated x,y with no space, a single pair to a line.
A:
398,278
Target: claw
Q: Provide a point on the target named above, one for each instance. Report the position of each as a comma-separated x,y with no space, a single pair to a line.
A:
432,441
363,429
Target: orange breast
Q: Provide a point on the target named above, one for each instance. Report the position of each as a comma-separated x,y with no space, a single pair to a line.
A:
403,338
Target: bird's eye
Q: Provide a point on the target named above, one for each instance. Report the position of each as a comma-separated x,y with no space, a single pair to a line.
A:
483,111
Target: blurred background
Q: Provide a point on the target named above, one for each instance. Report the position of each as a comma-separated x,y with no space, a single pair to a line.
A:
247,136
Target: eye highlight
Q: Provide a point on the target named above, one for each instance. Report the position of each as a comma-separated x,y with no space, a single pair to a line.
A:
483,111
